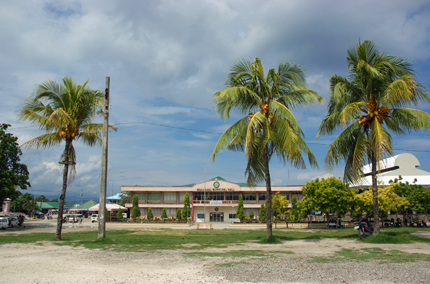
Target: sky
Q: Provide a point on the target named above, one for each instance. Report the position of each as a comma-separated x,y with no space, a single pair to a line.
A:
166,59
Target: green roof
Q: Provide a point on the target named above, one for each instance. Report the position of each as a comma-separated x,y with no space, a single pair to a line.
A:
48,205
86,205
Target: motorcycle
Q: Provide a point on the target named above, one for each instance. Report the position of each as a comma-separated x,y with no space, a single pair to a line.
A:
389,223
398,223
363,229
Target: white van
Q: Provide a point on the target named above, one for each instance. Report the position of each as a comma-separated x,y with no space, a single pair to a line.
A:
94,218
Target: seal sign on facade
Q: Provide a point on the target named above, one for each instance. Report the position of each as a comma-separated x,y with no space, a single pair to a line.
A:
216,184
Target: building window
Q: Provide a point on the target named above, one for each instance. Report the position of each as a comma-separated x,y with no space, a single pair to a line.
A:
200,216
262,196
298,195
232,196
156,211
248,211
182,196
170,196
250,196
216,196
200,196
154,196
232,216
286,194
140,195
171,211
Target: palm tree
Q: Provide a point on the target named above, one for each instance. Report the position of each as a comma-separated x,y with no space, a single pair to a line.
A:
368,104
268,126
65,113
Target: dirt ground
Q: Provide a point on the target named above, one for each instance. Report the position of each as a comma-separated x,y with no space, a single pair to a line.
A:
49,263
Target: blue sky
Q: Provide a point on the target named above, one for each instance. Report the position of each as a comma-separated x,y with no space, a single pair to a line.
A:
167,58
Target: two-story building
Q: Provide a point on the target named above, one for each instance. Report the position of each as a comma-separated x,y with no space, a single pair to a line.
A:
220,204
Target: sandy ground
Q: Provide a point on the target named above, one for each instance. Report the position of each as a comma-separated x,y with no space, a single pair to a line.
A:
49,263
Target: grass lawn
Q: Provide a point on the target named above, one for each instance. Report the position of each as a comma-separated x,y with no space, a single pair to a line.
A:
150,240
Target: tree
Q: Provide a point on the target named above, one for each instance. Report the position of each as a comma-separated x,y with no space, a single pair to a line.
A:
239,212
268,126
388,200
294,209
24,203
326,195
65,113
149,216
179,214
164,214
279,204
125,198
418,196
368,104
12,172
251,215
119,214
186,210
42,198
135,211
262,216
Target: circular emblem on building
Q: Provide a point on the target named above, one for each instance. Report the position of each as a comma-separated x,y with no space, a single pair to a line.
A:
216,184
216,208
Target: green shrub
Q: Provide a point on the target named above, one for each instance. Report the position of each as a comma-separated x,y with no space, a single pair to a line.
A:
179,214
251,215
119,214
163,214
149,216
239,213
135,211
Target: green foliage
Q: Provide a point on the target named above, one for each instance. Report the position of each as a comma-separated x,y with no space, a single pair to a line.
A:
329,194
186,211
263,213
251,215
125,198
149,216
417,196
369,104
294,209
135,211
163,214
25,203
268,126
42,198
119,214
179,214
388,200
12,172
279,205
239,212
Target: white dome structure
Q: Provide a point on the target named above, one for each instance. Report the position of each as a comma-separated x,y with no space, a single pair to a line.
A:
405,165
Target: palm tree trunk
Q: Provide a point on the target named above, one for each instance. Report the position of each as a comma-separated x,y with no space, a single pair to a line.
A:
63,191
269,192
375,196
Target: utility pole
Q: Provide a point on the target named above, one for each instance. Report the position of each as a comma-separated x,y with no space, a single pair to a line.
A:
103,177
82,196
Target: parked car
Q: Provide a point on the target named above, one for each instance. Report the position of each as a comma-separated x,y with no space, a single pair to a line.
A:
4,222
94,218
13,221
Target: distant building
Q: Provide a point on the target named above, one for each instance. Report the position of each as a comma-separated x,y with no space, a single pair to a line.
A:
405,165
114,198
220,204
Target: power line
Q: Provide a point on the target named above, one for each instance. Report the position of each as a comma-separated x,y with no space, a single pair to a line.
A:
213,132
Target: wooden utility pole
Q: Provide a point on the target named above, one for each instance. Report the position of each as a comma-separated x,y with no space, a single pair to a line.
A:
103,177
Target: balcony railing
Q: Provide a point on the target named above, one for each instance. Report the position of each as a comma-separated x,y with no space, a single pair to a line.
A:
209,201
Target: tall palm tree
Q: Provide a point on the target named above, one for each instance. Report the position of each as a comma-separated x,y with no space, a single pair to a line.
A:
268,126
368,104
65,113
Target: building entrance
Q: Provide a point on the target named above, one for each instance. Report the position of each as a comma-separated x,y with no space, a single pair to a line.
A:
216,217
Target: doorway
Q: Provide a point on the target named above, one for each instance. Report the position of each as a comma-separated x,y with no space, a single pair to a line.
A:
216,217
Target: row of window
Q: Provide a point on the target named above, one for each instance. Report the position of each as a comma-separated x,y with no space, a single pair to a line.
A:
171,196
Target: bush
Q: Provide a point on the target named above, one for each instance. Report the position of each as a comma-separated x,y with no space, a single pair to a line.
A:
239,213
251,215
149,216
163,214
179,214
119,214
135,211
